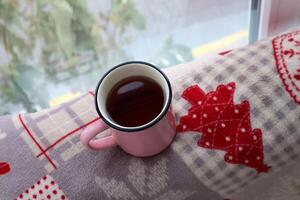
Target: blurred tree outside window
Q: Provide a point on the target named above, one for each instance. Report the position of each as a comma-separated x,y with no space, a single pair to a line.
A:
54,48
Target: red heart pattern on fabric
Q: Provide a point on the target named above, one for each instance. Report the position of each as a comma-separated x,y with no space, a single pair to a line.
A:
224,125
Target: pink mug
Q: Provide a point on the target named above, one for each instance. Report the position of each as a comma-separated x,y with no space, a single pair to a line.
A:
145,140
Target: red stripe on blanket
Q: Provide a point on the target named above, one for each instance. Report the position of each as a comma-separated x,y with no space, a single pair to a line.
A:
224,52
68,134
35,141
92,93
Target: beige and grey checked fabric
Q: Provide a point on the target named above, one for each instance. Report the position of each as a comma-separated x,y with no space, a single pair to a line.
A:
254,71
56,130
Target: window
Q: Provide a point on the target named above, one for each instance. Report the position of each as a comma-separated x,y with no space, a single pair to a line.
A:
52,51
278,16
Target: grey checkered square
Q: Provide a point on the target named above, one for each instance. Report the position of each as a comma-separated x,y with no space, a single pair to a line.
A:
219,78
230,191
230,69
264,61
209,174
254,88
252,68
220,61
45,142
241,60
255,112
224,187
242,98
242,78
265,78
65,146
275,158
185,85
288,149
222,165
268,148
252,53
267,101
177,98
199,162
279,91
263,46
208,68
211,152
294,156
198,78
209,88
243,185
236,180
292,105
292,128
230,174
187,149
218,182
279,139
250,173
280,115
268,125
281,163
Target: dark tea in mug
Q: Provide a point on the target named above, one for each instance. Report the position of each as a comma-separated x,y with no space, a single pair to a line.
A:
135,101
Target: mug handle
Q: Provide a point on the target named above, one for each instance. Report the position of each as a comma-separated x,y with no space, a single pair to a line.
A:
91,131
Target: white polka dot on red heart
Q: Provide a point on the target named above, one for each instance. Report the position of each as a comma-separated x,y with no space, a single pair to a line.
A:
236,111
223,125
240,148
215,98
184,126
230,157
217,108
243,130
254,137
207,143
227,139
199,102
246,161
229,88
257,158
205,115
209,130
194,116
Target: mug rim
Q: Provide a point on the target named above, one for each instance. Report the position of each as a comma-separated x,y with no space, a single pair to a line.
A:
152,122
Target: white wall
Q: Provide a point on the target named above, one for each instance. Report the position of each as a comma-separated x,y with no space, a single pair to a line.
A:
278,16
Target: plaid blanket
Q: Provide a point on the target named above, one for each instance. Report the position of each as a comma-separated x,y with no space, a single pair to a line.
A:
41,156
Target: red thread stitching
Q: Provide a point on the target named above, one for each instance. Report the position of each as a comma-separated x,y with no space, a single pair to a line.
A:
276,51
68,134
35,141
223,53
